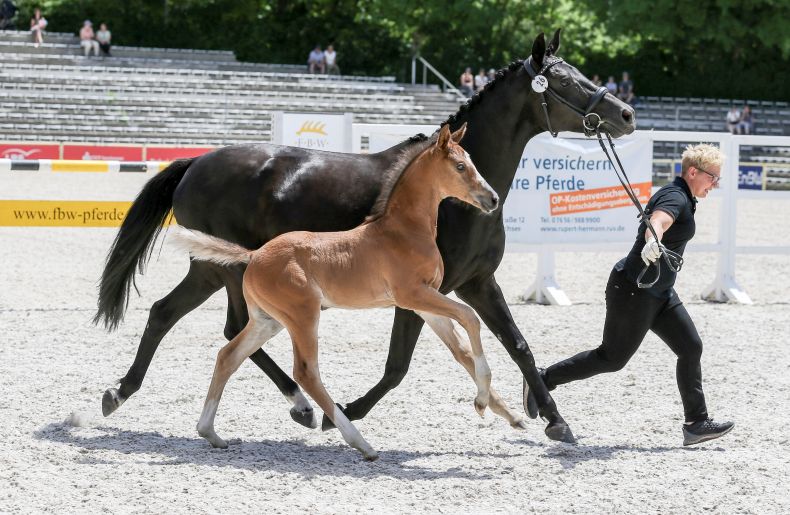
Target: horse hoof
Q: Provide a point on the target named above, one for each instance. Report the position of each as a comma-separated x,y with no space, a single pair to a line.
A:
529,401
560,432
480,408
213,438
305,418
371,456
326,424
111,401
519,424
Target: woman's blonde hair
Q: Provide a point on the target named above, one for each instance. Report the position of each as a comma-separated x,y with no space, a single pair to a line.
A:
702,156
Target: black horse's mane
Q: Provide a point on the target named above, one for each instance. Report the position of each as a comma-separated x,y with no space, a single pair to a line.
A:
475,99
418,144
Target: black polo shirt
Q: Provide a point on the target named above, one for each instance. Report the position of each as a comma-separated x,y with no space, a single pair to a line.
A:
675,199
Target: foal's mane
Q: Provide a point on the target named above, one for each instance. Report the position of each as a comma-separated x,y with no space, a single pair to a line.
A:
464,109
419,143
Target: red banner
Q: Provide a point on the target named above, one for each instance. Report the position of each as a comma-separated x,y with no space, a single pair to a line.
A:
172,153
102,153
29,151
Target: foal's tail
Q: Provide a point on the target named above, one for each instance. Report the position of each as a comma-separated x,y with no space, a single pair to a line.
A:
134,242
204,247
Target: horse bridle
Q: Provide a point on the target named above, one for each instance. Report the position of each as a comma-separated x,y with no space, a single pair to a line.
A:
540,85
592,126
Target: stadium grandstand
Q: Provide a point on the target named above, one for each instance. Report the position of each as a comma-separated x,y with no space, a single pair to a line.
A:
52,93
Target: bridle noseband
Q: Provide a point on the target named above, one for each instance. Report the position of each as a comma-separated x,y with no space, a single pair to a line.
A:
591,121
592,127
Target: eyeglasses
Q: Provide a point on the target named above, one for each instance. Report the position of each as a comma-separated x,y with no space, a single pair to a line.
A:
713,177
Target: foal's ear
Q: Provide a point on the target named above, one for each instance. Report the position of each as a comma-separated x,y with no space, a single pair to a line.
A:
459,134
444,137
538,51
554,46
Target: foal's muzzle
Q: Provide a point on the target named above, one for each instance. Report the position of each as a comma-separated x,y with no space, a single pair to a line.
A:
488,201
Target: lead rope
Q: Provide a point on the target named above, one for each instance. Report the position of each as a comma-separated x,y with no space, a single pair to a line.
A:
673,260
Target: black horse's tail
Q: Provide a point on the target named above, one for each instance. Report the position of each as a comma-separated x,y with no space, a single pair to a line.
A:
134,242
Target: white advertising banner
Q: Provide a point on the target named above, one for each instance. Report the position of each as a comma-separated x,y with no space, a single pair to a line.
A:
318,131
566,191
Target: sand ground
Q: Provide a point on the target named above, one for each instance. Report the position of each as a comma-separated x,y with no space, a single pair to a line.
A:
60,455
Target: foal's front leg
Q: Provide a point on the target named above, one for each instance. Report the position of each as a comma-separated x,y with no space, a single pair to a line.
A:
444,329
425,299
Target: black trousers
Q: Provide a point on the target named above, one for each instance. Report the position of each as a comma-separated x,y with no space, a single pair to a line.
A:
630,313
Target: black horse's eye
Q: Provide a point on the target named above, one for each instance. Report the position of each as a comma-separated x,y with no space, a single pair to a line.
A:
565,81
460,167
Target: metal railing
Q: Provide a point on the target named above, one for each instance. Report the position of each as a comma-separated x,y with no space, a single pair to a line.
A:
447,86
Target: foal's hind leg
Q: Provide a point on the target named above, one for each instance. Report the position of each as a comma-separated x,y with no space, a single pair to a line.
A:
258,330
238,316
462,352
425,299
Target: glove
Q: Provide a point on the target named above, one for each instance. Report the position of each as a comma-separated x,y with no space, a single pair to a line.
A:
651,251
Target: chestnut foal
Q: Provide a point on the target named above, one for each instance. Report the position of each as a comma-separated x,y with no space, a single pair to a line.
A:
391,259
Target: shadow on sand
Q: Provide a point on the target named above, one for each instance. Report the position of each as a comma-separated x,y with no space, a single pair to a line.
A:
284,457
570,455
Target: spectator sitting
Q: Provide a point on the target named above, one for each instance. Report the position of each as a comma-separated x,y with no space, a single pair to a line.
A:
467,82
104,37
7,12
491,75
626,91
596,80
747,121
481,80
86,39
316,60
330,59
733,117
37,25
611,85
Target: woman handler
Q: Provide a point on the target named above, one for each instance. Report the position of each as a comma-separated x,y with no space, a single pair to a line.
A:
632,311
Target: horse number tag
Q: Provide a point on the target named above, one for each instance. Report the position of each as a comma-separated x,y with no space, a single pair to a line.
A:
540,83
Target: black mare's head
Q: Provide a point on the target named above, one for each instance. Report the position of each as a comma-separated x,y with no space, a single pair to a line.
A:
568,83
510,101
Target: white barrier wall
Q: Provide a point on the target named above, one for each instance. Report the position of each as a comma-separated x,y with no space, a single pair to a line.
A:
532,198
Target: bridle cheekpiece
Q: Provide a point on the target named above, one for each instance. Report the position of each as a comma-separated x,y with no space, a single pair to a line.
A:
540,85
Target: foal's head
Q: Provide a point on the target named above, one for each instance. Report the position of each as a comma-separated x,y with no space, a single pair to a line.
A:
455,173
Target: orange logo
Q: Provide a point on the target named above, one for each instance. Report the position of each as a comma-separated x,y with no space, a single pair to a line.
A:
314,127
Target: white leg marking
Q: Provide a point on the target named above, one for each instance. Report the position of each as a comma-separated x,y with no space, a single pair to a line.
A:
205,426
352,436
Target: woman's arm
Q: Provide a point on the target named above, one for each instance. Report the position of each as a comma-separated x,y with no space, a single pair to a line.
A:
661,222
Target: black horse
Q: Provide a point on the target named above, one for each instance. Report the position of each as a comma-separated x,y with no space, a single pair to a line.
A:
287,189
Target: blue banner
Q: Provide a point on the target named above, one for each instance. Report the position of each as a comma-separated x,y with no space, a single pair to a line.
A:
750,177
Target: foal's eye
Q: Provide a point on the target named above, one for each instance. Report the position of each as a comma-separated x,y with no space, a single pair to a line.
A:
460,167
